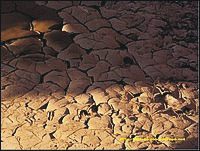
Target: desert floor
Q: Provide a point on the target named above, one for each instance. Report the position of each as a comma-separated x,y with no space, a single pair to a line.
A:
99,75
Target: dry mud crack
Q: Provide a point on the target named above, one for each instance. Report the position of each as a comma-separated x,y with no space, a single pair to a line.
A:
99,75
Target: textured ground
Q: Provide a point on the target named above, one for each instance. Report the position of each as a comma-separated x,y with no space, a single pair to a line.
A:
85,75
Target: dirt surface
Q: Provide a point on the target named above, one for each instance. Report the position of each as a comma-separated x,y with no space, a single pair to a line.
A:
99,75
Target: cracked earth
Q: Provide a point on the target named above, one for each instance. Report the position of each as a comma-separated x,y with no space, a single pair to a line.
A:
85,74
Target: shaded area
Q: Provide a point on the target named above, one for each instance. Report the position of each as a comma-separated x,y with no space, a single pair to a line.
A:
25,18
191,143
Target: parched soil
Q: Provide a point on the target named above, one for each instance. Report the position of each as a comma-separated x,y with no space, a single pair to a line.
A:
99,75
